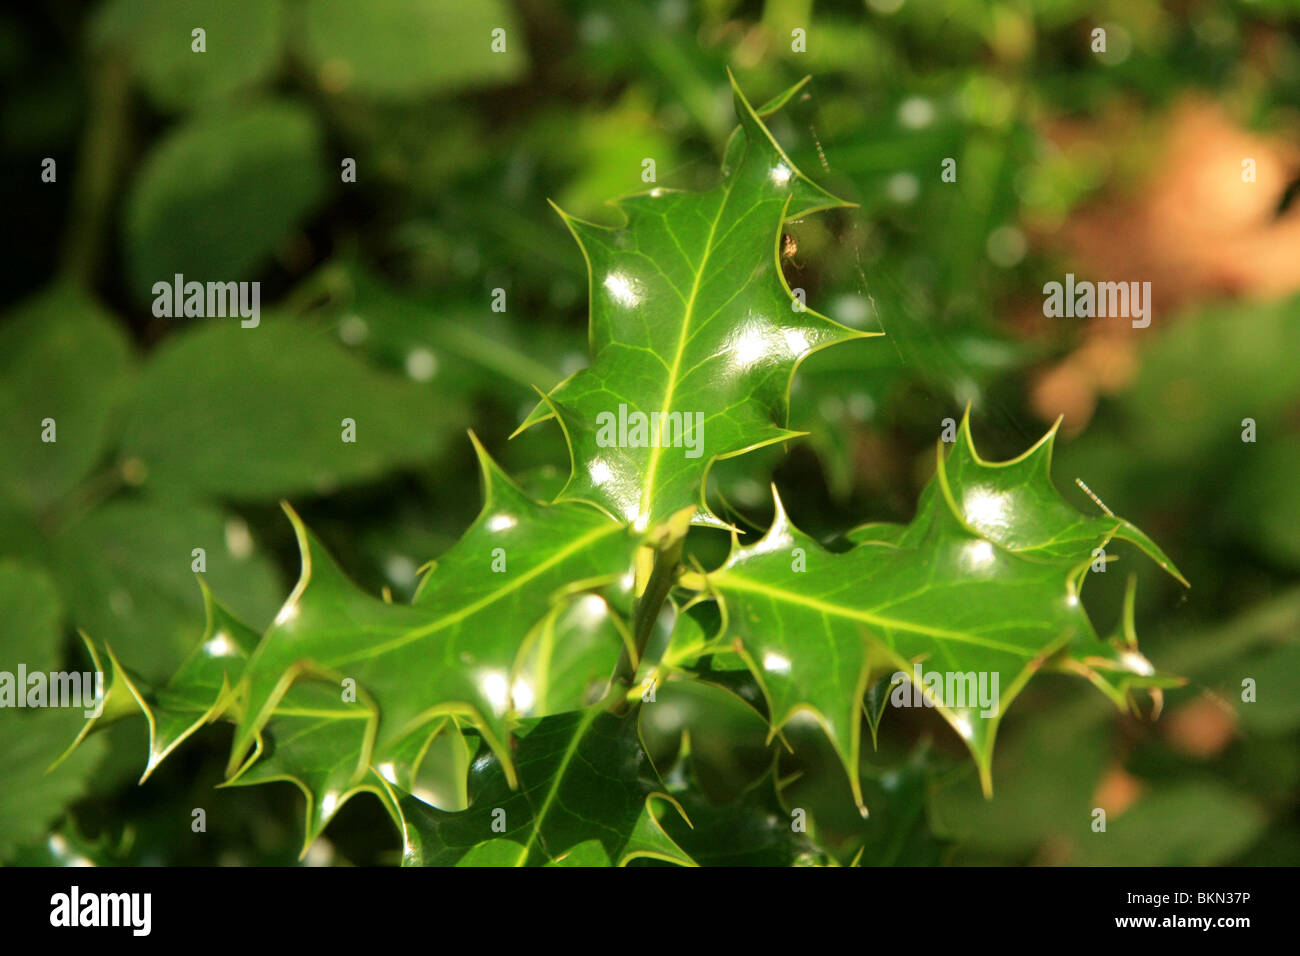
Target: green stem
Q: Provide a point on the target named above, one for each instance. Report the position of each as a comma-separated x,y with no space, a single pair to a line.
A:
651,602
102,155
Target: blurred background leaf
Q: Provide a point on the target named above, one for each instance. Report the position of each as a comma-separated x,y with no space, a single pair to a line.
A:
408,48
217,196
242,46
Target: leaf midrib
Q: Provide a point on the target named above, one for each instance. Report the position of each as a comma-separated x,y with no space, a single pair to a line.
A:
569,752
656,452
460,614
738,583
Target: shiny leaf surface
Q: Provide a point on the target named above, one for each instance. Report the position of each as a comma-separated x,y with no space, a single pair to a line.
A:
694,333
985,581
585,794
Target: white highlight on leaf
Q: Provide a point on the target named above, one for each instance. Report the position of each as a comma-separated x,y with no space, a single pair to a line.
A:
962,725
600,471
748,346
780,174
986,510
287,613
219,645
625,290
978,554
522,694
796,341
501,522
496,690
1136,663
591,608
328,803
772,541
776,663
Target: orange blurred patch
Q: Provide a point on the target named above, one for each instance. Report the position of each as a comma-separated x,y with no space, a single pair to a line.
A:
1116,791
1190,224
1202,728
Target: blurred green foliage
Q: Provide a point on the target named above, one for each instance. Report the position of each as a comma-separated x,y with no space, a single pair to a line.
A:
175,434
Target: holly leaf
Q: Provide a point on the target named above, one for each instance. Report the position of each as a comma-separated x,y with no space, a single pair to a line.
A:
694,333
569,659
985,581
346,693
585,798
197,694
751,828
372,681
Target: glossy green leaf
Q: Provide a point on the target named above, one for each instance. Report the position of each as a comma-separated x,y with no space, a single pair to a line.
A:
692,323
895,783
198,693
752,830
570,657
347,693
585,796
459,649
707,740
985,580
